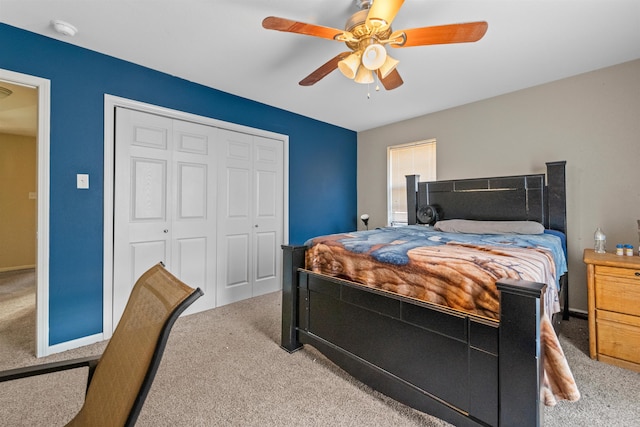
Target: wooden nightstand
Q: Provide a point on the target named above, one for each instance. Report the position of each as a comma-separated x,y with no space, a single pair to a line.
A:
614,308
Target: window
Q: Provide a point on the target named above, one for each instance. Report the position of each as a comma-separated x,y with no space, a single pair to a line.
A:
417,158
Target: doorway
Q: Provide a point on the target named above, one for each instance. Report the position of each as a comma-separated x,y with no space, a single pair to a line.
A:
39,89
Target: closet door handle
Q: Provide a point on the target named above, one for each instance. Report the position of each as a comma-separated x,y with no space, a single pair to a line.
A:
165,231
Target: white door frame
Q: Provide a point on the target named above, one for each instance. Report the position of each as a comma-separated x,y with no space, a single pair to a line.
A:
110,103
42,246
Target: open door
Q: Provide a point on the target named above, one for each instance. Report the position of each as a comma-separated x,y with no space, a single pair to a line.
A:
42,87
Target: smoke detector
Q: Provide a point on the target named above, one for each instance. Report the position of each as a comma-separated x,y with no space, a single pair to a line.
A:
64,28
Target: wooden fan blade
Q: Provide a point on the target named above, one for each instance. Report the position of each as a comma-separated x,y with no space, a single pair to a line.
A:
289,26
392,81
382,13
443,34
324,70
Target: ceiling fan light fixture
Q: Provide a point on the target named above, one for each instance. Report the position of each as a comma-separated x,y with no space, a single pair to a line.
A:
364,75
374,56
381,13
367,33
389,65
349,65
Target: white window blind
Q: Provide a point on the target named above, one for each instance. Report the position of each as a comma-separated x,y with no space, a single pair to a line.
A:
417,158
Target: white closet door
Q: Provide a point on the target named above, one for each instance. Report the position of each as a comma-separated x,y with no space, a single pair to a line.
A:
193,227
141,220
250,216
207,202
269,213
164,207
235,217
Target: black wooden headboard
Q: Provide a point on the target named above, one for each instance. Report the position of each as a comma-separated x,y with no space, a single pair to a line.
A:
521,197
514,198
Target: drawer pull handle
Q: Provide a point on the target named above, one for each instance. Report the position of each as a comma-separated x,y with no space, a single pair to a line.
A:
638,273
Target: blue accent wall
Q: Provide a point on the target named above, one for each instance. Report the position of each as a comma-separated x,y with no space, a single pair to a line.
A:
322,161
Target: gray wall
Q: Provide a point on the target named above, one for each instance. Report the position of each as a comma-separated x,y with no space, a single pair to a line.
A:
591,120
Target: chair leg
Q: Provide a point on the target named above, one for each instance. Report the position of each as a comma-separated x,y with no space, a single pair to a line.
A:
92,368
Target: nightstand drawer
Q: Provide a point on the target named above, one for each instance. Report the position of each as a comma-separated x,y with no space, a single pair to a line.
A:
613,283
619,295
619,339
628,273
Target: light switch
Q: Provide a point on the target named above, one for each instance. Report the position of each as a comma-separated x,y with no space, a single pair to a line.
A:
82,180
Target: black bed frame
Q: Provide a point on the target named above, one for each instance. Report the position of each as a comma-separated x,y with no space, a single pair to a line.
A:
462,368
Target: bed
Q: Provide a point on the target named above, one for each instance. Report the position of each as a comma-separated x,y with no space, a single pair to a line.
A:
494,365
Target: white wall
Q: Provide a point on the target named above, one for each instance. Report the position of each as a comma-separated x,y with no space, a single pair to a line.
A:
591,120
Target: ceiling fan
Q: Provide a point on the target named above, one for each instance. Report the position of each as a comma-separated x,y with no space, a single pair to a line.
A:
366,34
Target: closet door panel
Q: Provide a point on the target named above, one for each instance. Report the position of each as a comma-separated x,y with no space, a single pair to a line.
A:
238,254
238,196
194,232
235,217
143,254
142,193
192,191
164,203
266,259
191,260
148,189
269,214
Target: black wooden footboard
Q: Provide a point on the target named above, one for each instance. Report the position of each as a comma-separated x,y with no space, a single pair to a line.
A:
464,369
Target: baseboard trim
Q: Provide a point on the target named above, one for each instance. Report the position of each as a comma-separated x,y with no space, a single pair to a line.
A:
17,268
580,314
70,345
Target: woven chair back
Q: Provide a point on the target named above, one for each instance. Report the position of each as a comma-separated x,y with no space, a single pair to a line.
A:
126,369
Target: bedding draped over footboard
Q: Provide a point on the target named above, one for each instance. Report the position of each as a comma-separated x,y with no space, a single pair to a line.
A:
458,271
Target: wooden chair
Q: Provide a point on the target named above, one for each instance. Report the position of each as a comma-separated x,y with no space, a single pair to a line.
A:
119,380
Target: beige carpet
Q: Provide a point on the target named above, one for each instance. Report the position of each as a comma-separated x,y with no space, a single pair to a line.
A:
224,367
17,313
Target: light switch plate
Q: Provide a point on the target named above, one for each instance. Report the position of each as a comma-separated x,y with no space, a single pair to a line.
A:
82,180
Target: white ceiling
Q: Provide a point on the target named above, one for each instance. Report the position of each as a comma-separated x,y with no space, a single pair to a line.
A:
221,44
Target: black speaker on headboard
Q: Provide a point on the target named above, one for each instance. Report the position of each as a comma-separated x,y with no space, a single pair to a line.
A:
427,214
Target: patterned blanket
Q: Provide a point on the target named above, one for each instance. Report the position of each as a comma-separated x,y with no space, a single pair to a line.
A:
455,270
